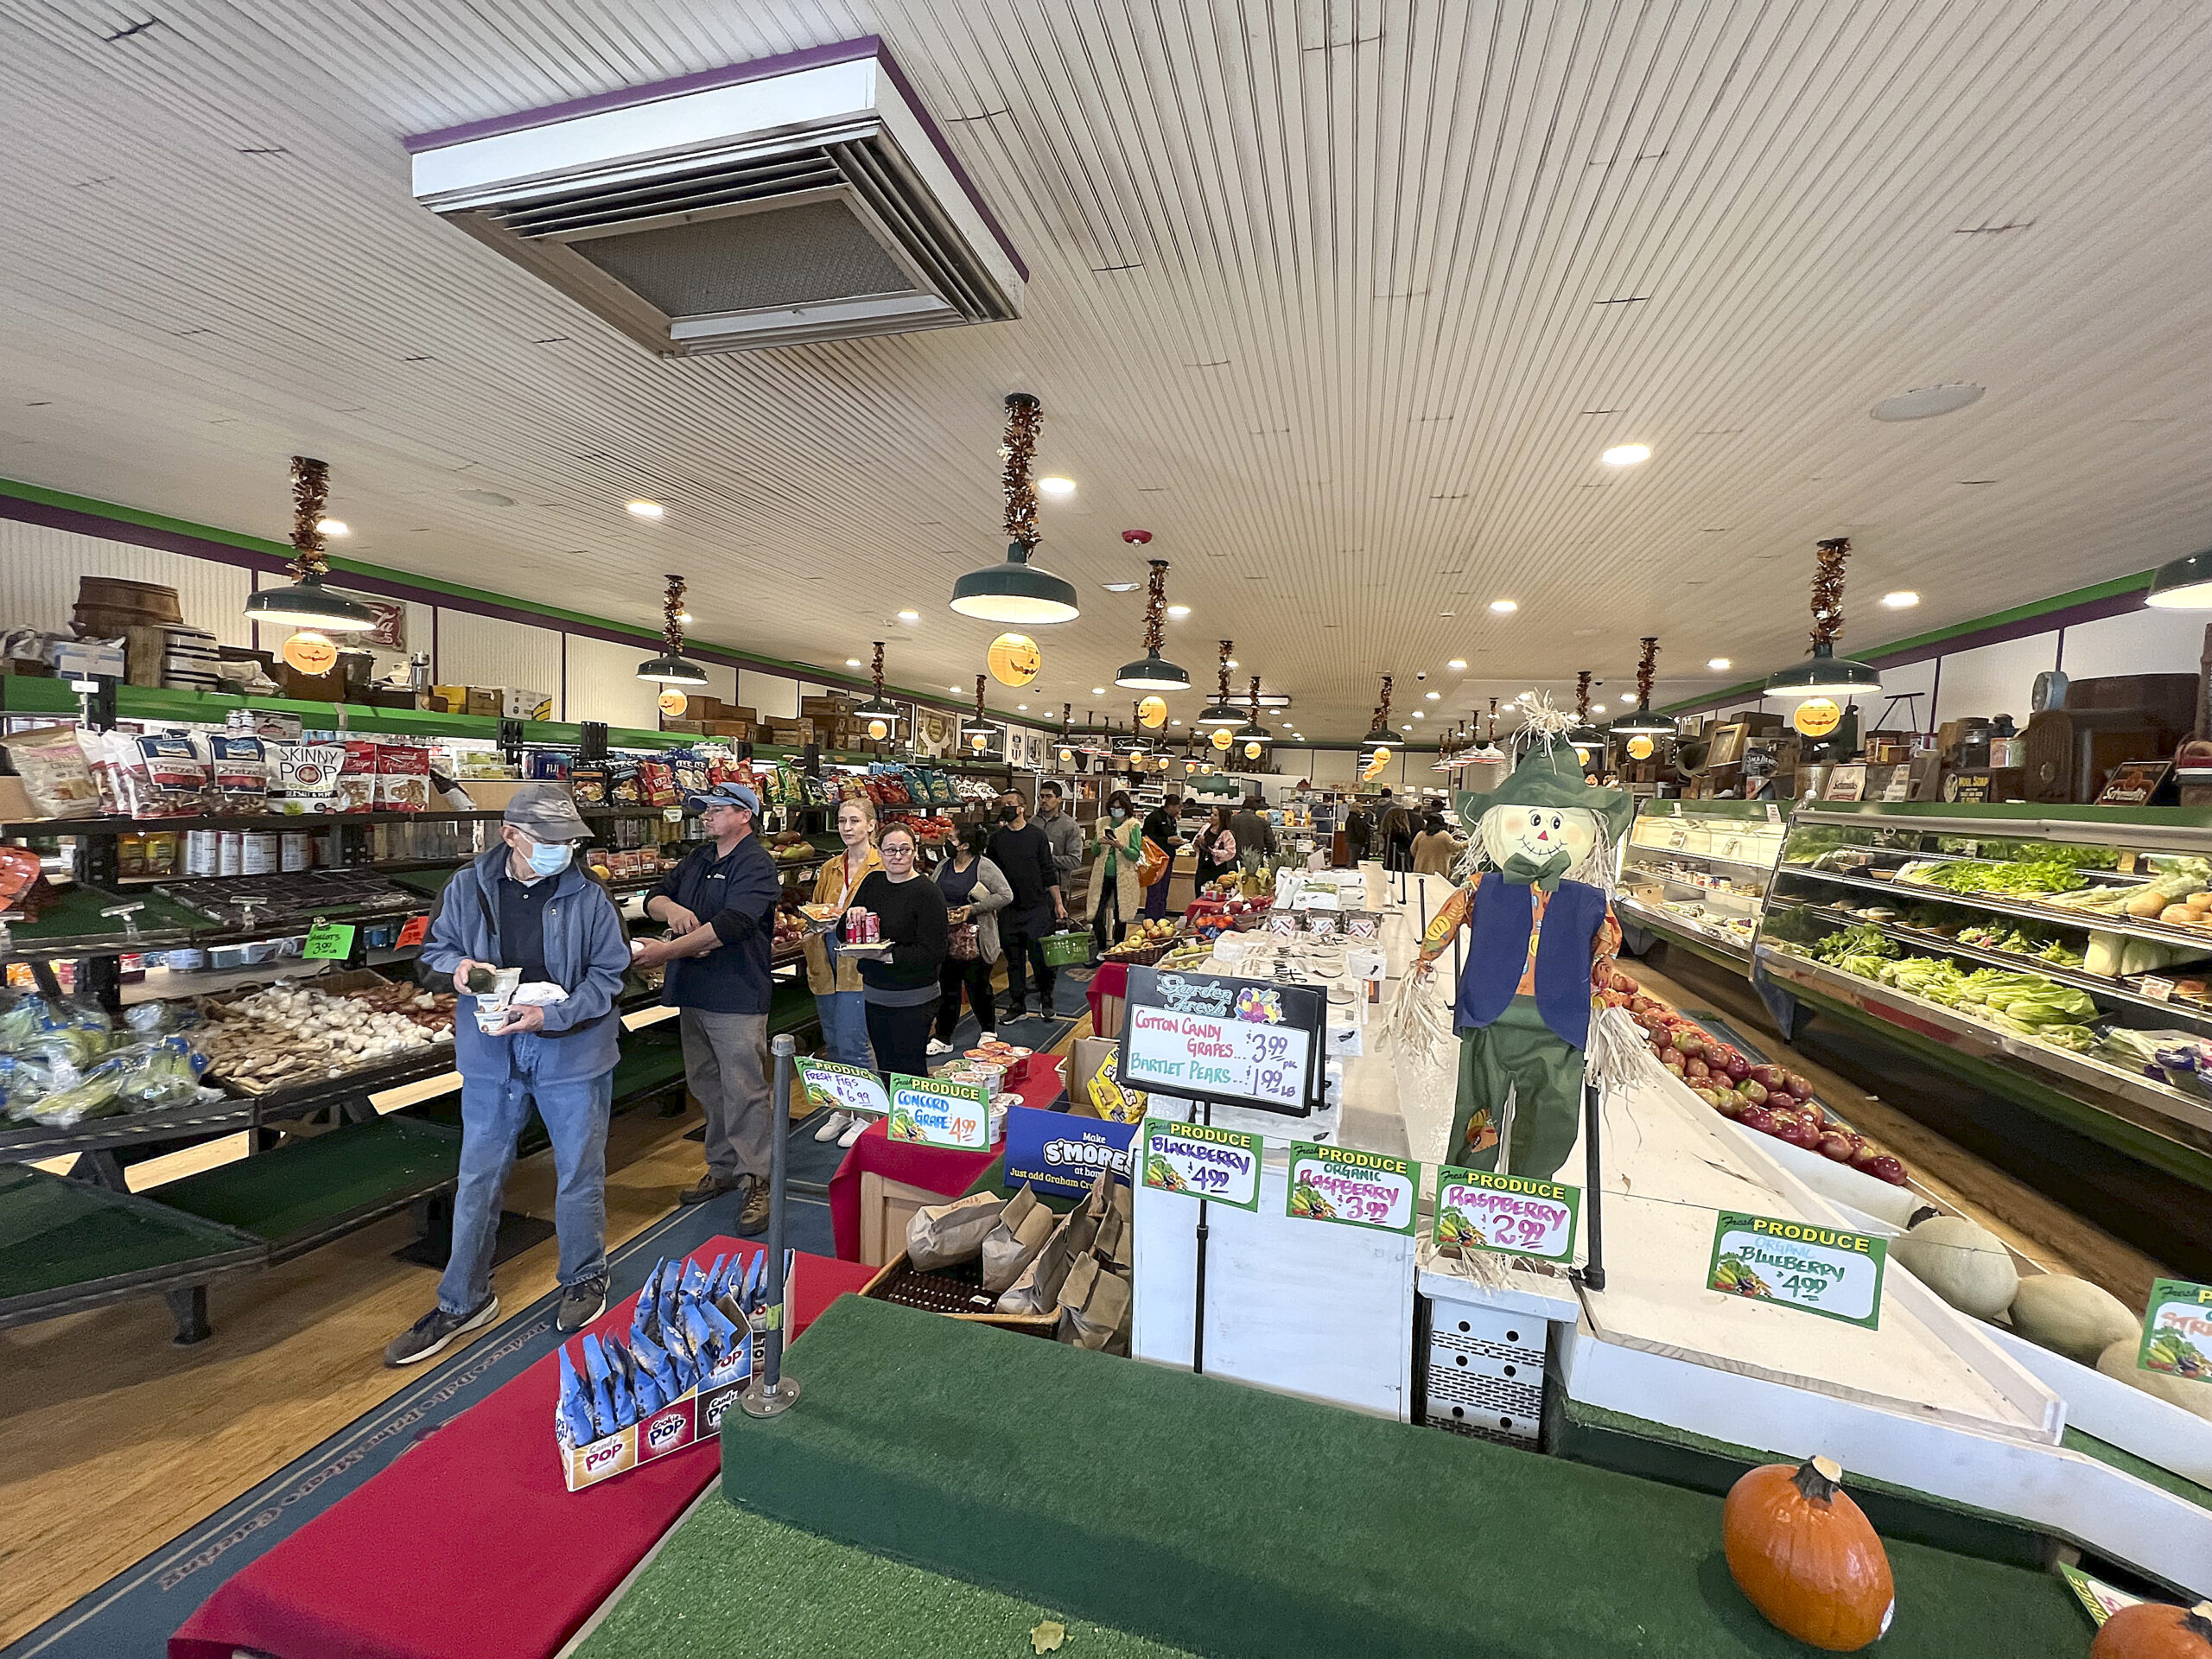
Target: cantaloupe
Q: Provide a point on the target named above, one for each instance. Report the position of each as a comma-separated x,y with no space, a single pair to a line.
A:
2119,1361
2070,1316
1968,1266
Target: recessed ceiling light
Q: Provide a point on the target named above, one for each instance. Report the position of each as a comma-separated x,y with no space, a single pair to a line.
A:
1504,607
487,497
1421,713
645,509
914,616
1717,663
334,527
1597,708
1903,600
1923,401
1174,722
1023,706
1121,587
1457,663
1405,728
1626,454
1434,697
852,662
952,687
1097,690
1178,610
1447,613
1056,485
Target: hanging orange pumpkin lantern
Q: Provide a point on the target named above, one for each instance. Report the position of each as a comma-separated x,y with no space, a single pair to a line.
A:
1805,1556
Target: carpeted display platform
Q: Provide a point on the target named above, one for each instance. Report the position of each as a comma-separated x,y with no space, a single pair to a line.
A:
1232,1522
734,1584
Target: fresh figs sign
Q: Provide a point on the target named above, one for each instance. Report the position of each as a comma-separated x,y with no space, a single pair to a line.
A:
1511,1215
1821,1270
1200,1161
2178,1331
1354,1189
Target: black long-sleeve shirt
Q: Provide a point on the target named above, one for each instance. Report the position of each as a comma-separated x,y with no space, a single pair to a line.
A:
911,915
1024,858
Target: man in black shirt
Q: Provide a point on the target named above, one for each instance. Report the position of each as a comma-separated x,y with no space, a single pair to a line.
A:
1024,856
1160,830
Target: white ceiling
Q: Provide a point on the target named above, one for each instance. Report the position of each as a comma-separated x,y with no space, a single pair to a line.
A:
1340,301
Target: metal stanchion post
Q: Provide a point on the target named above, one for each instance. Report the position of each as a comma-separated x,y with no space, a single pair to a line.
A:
771,1391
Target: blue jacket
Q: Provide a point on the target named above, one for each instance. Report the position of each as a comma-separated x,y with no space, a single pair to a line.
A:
585,953
1497,955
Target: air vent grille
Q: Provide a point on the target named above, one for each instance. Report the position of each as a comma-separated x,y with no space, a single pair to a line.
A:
806,255
726,184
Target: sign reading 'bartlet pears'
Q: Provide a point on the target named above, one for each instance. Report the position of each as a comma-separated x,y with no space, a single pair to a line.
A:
1236,1042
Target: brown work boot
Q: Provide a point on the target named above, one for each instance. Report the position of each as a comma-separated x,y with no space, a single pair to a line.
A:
710,1185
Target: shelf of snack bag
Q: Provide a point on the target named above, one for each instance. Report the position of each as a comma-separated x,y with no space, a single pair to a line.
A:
2060,956
1696,872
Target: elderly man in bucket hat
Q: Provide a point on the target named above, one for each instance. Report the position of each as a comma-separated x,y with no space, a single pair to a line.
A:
547,1035
719,907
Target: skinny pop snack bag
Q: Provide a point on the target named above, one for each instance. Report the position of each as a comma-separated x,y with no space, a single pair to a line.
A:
602,1396
576,1418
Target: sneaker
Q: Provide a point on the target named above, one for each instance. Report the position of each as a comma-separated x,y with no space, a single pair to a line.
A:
753,1218
859,1129
709,1185
986,1036
1014,1016
934,1047
429,1334
833,1126
580,1304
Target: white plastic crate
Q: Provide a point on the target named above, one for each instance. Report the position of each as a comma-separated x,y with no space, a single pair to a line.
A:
1486,1370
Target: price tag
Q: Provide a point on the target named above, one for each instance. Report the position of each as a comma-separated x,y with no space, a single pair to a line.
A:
1508,1214
2158,989
330,942
835,1087
1239,1042
1797,1264
1201,1162
929,1112
416,931
1773,813
2178,1331
1357,1189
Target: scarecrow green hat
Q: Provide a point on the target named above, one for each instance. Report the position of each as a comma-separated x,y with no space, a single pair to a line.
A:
1549,775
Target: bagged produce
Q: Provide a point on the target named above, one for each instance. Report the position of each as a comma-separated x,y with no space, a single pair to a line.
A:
1023,1227
1095,1309
1037,1289
940,1235
56,776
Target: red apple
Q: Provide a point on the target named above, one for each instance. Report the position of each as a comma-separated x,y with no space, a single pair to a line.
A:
1737,1068
1802,1134
1697,1067
1836,1146
1757,1118
1770,1077
1801,1087
1644,1005
1672,1058
1863,1152
1752,1091
1887,1168
1691,1041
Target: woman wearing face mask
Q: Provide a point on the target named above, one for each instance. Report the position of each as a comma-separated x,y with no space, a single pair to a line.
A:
835,980
1116,892
975,892
900,984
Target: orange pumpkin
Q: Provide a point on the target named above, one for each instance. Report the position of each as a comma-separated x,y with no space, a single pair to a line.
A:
2151,1629
1805,1556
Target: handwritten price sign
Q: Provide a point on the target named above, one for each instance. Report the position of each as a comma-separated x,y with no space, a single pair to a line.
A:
1206,1037
1354,1189
1199,1162
835,1087
1508,1214
929,1112
1816,1269
2178,1331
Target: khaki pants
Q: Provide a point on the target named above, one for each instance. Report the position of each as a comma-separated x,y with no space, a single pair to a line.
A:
723,1060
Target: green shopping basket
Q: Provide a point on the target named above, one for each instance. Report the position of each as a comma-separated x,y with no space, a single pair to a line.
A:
1069,949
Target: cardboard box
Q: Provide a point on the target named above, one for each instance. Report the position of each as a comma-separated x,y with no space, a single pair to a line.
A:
16,801
829,708
492,794
745,730
520,704
448,700
488,701
695,726
693,1419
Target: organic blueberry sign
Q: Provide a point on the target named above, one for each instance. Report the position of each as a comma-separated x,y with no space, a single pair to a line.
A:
1511,1215
835,1087
1238,1041
930,1112
1202,1162
2178,1331
1821,1270
1355,1189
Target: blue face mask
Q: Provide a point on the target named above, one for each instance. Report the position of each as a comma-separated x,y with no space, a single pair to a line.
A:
1117,814
550,857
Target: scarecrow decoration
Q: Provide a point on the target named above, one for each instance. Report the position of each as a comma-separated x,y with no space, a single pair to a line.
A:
1536,902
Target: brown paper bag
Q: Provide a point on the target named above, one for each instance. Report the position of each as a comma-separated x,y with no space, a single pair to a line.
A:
942,1235
1038,1287
1095,1309
1008,1247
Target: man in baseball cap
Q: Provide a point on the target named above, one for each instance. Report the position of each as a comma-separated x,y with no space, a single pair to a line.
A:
719,907
546,814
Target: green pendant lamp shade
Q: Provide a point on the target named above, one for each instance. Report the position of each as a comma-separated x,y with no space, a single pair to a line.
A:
1221,711
673,667
1017,591
1824,674
1252,731
1151,672
307,603
2183,584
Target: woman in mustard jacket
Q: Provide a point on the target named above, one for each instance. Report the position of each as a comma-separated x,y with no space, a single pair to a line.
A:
835,980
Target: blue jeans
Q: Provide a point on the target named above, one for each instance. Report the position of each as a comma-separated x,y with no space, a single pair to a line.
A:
492,1113
844,1027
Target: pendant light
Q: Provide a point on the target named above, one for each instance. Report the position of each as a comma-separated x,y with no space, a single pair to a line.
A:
881,715
1251,737
1824,674
1017,591
2182,584
1151,672
976,732
307,603
1067,747
673,667
1643,722
1379,734
1221,711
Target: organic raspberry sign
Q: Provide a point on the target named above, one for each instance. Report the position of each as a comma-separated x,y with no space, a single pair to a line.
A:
1356,1189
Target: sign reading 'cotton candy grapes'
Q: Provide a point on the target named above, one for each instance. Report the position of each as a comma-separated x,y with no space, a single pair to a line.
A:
1236,1042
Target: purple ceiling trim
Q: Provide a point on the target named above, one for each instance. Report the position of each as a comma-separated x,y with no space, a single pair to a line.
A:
735,74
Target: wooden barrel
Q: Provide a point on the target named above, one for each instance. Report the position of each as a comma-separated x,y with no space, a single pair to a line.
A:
144,604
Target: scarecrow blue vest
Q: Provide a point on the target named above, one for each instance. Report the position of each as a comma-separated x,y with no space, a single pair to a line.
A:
1498,949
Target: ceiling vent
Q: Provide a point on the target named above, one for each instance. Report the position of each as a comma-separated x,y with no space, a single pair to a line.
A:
797,199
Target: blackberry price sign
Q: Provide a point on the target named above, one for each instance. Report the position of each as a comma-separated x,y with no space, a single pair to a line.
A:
1511,1215
1821,1270
1200,1161
1236,1042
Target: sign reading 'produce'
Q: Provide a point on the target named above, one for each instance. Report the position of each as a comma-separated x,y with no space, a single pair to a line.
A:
1796,1264
835,1087
930,1112
2178,1331
1508,1214
1356,1189
1201,1162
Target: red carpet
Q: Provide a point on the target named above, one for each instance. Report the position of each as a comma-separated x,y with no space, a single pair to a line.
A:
470,1545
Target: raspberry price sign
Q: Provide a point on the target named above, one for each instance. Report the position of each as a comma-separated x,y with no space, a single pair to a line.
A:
930,1112
1511,1215
1353,1189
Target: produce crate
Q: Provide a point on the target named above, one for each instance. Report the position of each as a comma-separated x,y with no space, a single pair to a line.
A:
1069,948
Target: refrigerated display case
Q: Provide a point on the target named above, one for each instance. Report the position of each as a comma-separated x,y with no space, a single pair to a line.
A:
1694,874
2056,956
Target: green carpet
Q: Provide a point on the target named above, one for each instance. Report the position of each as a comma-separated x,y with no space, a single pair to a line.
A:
1232,1522
730,1583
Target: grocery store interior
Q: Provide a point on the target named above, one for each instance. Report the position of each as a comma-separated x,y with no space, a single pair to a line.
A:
982,827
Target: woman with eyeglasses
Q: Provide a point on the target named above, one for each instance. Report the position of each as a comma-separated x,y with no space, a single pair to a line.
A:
834,978
900,984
